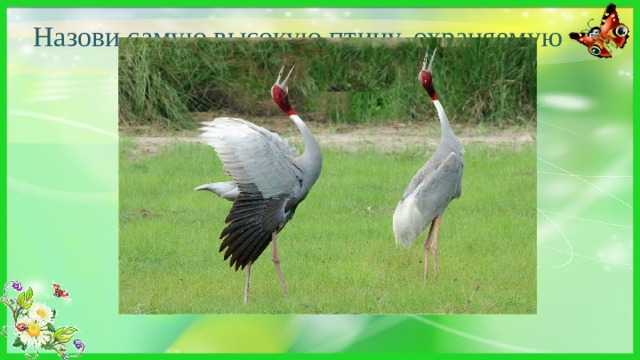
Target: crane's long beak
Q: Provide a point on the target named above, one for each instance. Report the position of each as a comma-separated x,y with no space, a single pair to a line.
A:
431,62
424,62
283,84
426,57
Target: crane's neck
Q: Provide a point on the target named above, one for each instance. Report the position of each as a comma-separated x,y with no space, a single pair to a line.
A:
426,78
444,122
311,159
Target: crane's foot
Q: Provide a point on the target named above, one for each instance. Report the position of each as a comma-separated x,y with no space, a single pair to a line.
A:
426,264
435,262
276,262
434,247
427,246
246,285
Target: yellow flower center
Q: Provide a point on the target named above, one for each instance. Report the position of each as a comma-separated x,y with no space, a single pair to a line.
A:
41,313
33,329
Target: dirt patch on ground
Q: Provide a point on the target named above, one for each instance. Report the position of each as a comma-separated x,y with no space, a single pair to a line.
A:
393,137
399,137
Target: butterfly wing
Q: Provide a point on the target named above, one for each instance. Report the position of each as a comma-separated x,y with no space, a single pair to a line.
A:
582,38
609,19
59,292
612,29
603,52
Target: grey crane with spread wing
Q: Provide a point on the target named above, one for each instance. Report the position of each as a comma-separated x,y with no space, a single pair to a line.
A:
270,179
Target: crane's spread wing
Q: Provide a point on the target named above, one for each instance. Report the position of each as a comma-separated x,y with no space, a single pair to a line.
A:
252,155
261,164
251,222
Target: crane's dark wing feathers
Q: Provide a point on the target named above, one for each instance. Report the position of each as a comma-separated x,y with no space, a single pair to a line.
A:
251,222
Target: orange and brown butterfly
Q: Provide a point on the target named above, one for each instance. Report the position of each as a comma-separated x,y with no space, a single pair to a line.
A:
610,31
59,292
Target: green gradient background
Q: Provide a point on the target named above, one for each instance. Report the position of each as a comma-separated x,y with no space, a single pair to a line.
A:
62,179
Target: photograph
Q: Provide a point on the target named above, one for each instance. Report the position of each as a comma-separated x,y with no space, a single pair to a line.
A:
327,176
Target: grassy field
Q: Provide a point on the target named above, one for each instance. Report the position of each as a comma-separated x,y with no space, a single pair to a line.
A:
489,81
338,253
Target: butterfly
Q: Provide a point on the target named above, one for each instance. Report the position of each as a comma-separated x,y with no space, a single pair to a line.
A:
610,31
59,292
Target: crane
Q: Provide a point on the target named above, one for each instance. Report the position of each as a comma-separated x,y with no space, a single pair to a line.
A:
433,187
270,179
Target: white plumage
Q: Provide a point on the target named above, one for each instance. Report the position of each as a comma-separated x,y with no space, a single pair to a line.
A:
253,155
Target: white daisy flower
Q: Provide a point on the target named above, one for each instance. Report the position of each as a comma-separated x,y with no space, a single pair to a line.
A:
41,311
35,333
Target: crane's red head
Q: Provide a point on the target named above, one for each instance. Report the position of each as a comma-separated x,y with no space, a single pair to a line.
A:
280,92
426,78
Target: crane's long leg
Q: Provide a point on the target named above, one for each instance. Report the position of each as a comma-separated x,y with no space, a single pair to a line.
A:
434,246
427,245
246,285
276,262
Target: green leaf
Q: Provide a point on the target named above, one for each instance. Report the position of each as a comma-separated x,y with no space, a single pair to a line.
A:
64,338
29,293
69,331
27,304
48,347
50,327
58,332
18,343
53,311
20,299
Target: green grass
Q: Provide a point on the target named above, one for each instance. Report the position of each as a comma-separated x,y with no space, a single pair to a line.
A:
490,81
338,252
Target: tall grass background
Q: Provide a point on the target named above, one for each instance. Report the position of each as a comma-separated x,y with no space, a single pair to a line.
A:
344,81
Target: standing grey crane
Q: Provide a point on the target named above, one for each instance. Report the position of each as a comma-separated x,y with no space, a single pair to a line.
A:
270,179
433,187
